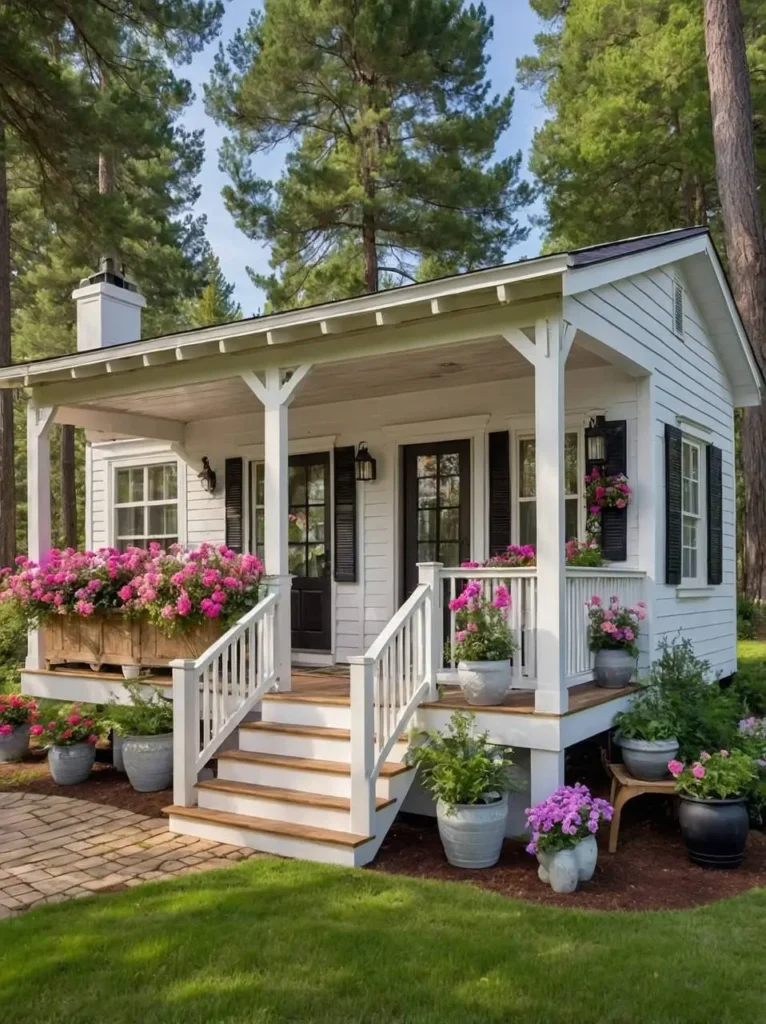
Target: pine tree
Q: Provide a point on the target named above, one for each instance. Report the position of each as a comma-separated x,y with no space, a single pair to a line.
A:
392,129
215,303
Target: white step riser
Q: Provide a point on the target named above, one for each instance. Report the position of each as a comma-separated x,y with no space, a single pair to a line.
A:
332,716
277,810
291,745
327,783
281,846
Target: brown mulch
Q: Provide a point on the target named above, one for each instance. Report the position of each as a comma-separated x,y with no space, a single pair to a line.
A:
105,785
650,870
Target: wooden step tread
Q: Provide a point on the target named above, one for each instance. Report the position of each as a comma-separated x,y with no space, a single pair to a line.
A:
311,764
290,796
279,828
295,697
318,731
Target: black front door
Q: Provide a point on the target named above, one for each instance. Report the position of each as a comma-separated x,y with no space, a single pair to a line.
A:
437,506
309,551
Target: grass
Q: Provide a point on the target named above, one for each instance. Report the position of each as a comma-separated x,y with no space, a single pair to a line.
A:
277,941
750,652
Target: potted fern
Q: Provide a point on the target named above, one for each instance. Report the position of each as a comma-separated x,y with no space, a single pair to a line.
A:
647,735
470,778
146,728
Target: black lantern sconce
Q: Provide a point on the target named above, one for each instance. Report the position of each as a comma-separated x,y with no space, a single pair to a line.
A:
207,477
595,442
365,465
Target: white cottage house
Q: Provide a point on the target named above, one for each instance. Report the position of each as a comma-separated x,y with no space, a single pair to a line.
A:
482,399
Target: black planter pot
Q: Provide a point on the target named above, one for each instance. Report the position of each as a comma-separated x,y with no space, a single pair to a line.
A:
715,831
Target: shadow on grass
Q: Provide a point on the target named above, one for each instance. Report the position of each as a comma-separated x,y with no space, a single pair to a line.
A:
289,941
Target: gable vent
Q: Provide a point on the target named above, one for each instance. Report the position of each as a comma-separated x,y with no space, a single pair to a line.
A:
678,308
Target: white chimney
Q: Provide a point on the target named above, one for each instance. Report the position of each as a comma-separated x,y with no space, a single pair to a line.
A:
108,309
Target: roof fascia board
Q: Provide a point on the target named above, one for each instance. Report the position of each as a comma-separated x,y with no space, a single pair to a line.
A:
587,278
460,328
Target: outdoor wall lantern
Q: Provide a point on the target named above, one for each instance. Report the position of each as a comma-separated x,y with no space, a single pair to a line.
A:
364,463
207,477
595,440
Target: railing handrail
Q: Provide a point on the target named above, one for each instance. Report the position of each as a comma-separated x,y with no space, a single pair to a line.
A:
525,571
394,624
587,571
252,615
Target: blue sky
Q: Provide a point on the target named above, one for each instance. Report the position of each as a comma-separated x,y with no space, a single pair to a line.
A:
515,27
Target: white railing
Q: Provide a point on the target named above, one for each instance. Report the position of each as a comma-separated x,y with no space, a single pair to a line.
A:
522,614
213,694
582,584
388,683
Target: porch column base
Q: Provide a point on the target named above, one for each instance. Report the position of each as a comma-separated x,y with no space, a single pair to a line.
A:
546,771
39,424
282,586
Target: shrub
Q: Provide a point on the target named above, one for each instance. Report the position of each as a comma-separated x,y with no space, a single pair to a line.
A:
749,684
750,617
150,715
13,646
459,767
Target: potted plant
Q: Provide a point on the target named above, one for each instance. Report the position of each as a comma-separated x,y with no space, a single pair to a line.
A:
470,778
564,831
602,495
713,815
483,643
146,728
612,635
71,739
17,714
647,735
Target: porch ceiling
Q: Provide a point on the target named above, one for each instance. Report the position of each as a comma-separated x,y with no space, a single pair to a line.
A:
420,370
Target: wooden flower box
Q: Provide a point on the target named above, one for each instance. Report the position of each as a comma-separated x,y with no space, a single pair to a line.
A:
114,640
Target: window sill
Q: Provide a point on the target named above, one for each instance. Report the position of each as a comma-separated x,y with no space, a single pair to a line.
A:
688,592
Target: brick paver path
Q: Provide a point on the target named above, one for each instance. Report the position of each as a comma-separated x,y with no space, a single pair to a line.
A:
53,848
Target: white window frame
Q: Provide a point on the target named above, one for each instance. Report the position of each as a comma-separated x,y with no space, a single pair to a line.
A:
518,500
698,518
141,461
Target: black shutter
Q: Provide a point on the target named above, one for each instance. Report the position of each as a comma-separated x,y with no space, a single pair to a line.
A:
345,515
614,521
499,492
233,503
714,515
673,508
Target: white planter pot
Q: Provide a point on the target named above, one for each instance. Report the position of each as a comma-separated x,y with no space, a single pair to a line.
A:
473,834
15,746
484,682
586,855
648,759
148,761
71,765
563,870
613,669
131,671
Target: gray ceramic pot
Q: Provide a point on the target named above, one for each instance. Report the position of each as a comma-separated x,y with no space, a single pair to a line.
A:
484,683
148,761
71,765
473,834
15,746
648,759
613,669
117,742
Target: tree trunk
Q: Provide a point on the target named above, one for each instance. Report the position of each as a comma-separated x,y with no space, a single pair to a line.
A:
7,474
68,489
745,248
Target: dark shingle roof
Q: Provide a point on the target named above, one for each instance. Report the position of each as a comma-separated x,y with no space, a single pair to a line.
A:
628,246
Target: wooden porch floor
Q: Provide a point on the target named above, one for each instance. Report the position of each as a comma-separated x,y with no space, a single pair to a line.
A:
334,685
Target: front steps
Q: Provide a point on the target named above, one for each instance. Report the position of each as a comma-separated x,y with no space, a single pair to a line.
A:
286,788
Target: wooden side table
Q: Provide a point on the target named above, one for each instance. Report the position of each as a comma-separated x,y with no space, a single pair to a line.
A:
624,788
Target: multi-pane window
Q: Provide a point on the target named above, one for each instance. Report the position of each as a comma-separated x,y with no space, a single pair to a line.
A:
257,508
527,488
438,483
691,509
307,532
146,505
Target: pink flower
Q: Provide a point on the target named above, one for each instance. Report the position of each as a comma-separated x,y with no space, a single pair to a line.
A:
183,604
608,627
168,612
620,503
6,729
698,771
36,730
595,601
125,593
600,493
461,635
628,633
675,768
704,756
724,753
594,510
472,627
93,740
74,719
502,598
84,608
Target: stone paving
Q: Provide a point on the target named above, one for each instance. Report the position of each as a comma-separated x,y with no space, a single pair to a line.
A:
54,848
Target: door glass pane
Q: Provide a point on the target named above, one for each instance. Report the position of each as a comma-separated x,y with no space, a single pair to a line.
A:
449,554
449,524
316,523
130,485
427,465
316,483
527,469
130,522
297,524
296,558
317,561
427,525
297,485
449,490
426,552
163,520
571,476
527,522
259,527
449,465
259,477
427,492
570,517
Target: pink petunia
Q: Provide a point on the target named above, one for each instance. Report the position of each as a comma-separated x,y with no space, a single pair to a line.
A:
698,771
675,768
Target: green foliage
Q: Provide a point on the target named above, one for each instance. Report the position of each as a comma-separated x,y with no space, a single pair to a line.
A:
70,725
13,646
392,129
215,303
482,625
628,147
718,776
650,717
459,767
749,684
145,715
750,617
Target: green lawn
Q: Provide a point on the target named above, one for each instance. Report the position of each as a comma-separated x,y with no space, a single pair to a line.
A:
751,651
278,940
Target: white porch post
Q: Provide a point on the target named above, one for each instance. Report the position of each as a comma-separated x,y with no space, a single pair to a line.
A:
429,573
546,772
551,692
39,423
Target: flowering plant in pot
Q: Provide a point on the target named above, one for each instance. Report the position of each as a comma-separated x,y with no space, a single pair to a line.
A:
713,814
71,738
17,715
647,735
604,492
520,556
564,831
612,635
470,778
583,553
143,732
483,643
